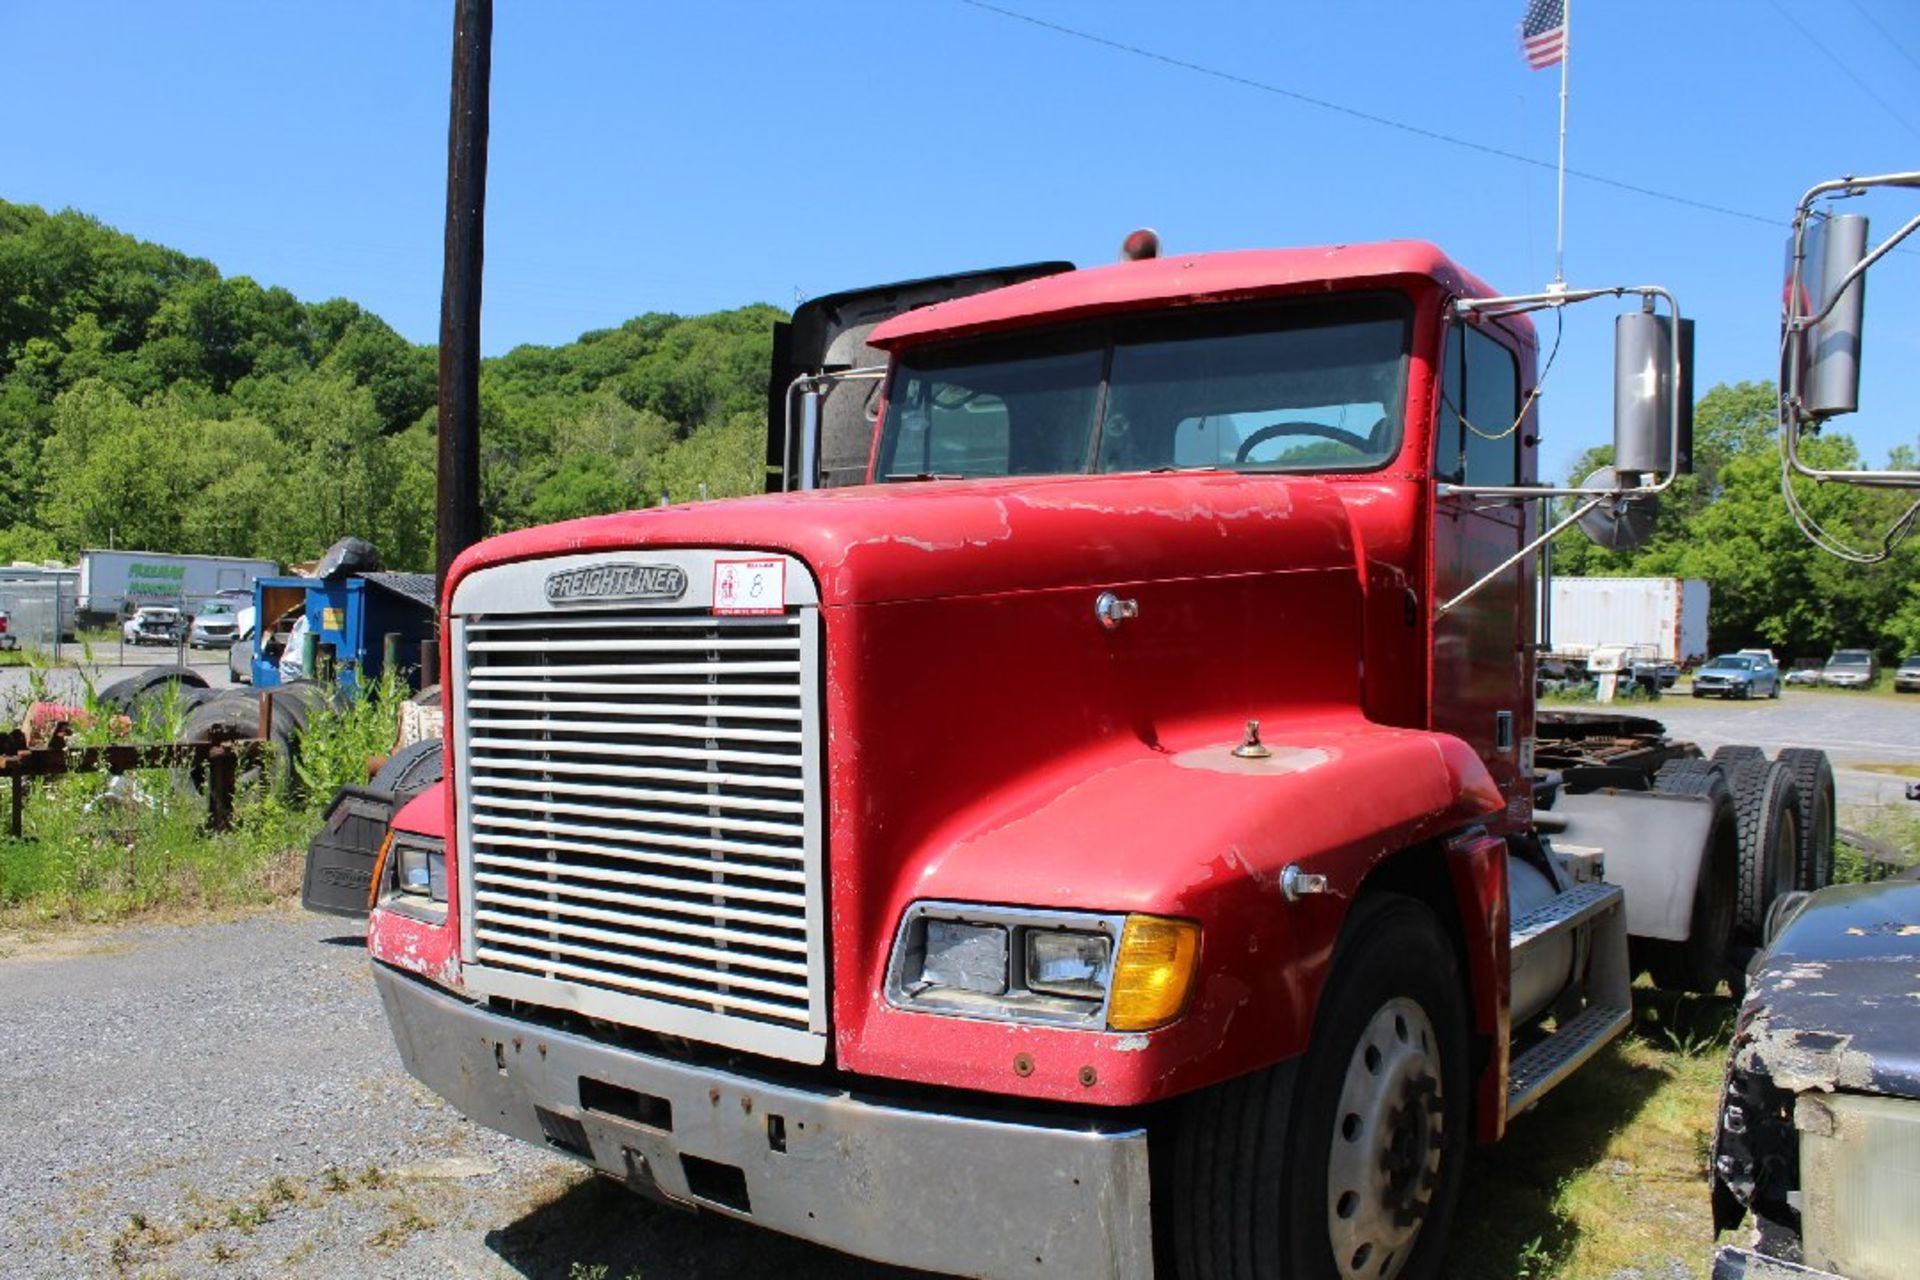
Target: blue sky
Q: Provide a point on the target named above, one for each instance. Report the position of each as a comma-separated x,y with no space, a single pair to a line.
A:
688,157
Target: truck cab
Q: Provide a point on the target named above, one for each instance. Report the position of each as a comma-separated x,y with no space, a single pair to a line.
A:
1086,824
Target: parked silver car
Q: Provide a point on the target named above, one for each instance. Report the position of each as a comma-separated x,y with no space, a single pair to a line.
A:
1850,669
1907,678
215,626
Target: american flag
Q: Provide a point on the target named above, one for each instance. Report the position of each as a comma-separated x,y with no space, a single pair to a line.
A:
1543,33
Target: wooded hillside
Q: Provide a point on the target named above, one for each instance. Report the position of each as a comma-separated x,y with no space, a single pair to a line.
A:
149,401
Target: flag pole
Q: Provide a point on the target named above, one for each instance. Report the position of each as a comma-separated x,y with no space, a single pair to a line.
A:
1560,216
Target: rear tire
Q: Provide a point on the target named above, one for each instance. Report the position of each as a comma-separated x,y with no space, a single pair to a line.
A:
1768,805
1813,780
1705,958
1359,1166
1730,756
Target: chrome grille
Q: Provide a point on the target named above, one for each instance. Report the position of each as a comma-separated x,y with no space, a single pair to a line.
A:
640,820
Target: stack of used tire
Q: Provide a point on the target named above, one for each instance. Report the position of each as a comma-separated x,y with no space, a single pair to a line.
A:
1773,826
148,699
233,715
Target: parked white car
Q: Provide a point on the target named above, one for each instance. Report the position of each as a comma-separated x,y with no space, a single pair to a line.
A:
153,624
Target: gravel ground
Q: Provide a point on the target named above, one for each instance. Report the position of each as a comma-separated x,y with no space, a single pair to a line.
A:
224,1100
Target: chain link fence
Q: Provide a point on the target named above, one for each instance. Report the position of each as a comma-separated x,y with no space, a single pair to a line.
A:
40,618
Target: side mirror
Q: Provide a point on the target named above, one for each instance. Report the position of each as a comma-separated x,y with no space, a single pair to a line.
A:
1644,394
1827,355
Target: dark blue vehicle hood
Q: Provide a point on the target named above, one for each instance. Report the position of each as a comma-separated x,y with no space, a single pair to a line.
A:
1836,1002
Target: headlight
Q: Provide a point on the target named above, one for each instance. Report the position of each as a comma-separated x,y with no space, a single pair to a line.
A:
420,868
1115,972
1859,1181
1064,963
964,957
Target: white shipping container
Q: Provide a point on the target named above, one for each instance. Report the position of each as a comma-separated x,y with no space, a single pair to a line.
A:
1668,615
113,582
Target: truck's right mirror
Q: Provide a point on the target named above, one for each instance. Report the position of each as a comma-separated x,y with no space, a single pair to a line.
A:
1828,353
1643,396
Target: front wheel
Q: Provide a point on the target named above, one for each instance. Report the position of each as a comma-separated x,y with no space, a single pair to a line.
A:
1356,1170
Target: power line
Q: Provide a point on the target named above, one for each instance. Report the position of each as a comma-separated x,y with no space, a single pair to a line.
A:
1418,131
1885,34
1845,70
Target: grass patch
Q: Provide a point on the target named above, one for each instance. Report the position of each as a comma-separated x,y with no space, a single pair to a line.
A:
94,848
1897,770
1885,844
1607,1176
1882,687
1586,694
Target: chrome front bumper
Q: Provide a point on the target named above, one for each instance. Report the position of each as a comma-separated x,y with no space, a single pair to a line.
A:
984,1195
1730,1263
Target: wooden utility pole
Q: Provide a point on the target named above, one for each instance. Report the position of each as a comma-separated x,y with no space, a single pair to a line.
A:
458,525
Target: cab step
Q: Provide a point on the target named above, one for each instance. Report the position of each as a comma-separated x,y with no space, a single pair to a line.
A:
1564,911
1558,1056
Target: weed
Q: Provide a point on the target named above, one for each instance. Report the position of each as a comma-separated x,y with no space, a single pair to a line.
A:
1888,842
581,1271
339,741
222,1252
1534,1261
408,1222
334,1181
374,1176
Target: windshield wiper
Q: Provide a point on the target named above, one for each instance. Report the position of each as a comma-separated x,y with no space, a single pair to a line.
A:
921,475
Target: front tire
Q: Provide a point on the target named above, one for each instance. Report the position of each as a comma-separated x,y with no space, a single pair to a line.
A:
1357,1172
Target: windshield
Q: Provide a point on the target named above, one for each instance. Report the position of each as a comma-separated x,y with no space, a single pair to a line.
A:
1730,664
1303,386
217,609
1851,658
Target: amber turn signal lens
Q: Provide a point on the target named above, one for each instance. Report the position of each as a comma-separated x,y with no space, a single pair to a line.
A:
1153,972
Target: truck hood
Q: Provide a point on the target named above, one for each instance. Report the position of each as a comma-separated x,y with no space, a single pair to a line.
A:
1836,1004
924,540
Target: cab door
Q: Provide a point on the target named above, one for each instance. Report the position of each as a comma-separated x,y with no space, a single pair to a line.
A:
1483,648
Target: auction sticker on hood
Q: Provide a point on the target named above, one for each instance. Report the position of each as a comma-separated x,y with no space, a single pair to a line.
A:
749,586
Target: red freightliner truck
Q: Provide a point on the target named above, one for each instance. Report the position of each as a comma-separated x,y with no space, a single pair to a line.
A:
1095,820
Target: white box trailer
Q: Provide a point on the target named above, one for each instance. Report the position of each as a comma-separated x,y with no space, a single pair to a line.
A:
114,582
1666,615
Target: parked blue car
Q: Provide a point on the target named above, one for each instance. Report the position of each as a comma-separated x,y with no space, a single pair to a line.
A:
1735,675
